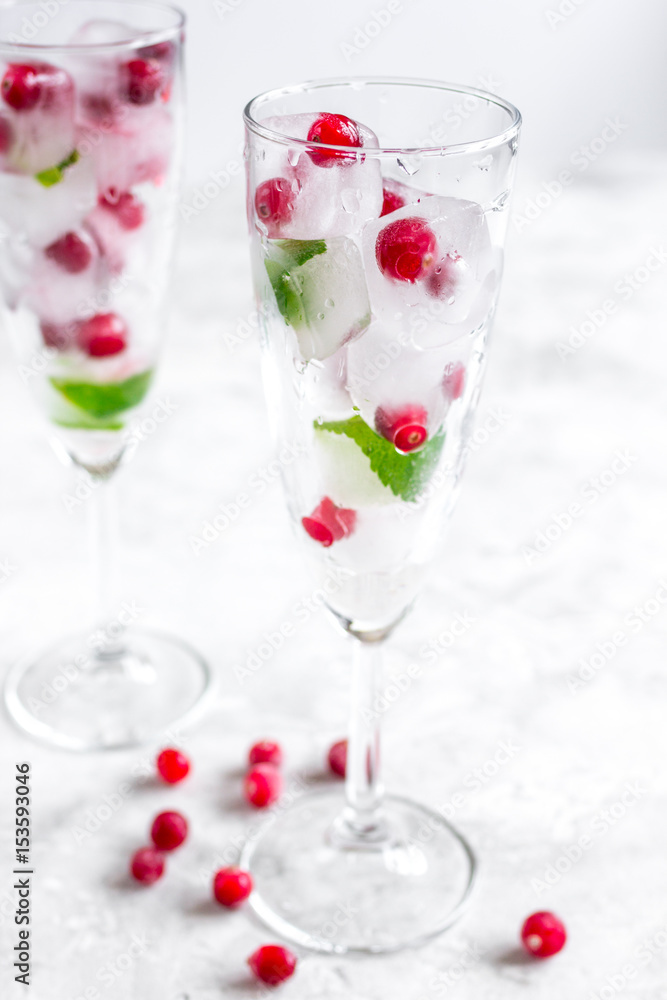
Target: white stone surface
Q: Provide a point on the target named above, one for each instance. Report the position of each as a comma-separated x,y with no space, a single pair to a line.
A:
505,679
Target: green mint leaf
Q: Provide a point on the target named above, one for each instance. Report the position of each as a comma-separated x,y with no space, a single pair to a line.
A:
104,400
288,297
54,175
405,475
300,251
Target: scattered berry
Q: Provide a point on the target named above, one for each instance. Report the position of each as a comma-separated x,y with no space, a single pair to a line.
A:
126,207
337,758
6,136
265,752
454,380
142,80
172,766
263,785
169,830
103,335
328,523
391,200
405,428
147,865
71,253
543,934
272,963
21,87
273,204
333,130
404,249
231,886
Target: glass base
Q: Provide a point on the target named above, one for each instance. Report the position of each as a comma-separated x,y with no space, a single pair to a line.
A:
313,888
76,699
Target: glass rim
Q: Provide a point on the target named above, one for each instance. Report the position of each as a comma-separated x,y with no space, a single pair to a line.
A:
146,37
356,82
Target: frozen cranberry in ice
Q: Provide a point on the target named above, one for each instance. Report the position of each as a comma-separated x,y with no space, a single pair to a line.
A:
391,200
71,253
127,208
404,249
21,86
328,523
102,335
404,427
273,204
141,80
333,130
6,136
453,381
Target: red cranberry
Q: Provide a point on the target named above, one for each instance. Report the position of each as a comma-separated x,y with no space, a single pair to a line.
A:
391,200
172,766
404,249
405,428
272,963
263,785
337,758
231,886
333,130
454,380
273,203
60,337
162,51
169,830
126,207
71,253
100,108
265,752
442,279
21,87
328,523
6,136
147,865
142,79
103,335
543,934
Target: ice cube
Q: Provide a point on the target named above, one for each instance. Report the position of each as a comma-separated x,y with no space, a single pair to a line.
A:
43,134
320,291
102,31
136,149
345,472
325,387
321,201
396,195
442,301
39,215
389,378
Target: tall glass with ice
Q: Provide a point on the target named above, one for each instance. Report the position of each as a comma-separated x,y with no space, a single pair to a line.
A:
377,214
91,123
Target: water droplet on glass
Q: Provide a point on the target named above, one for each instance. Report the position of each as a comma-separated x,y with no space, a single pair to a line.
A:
329,303
351,200
293,155
514,145
320,315
410,164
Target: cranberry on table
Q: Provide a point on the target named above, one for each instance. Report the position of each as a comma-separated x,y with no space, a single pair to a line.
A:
333,130
337,758
328,523
272,964
71,253
263,785
265,752
142,80
405,428
103,335
404,249
147,865
172,765
21,87
169,830
543,934
231,886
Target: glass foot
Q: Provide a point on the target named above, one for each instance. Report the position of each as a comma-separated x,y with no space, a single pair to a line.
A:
75,699
319,892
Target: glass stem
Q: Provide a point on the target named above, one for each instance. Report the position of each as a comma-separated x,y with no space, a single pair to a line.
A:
363,786
103,513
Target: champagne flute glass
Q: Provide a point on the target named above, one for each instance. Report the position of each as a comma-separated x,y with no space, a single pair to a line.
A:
377,211
91,120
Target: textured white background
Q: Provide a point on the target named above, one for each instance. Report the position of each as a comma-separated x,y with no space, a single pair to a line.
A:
505,679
